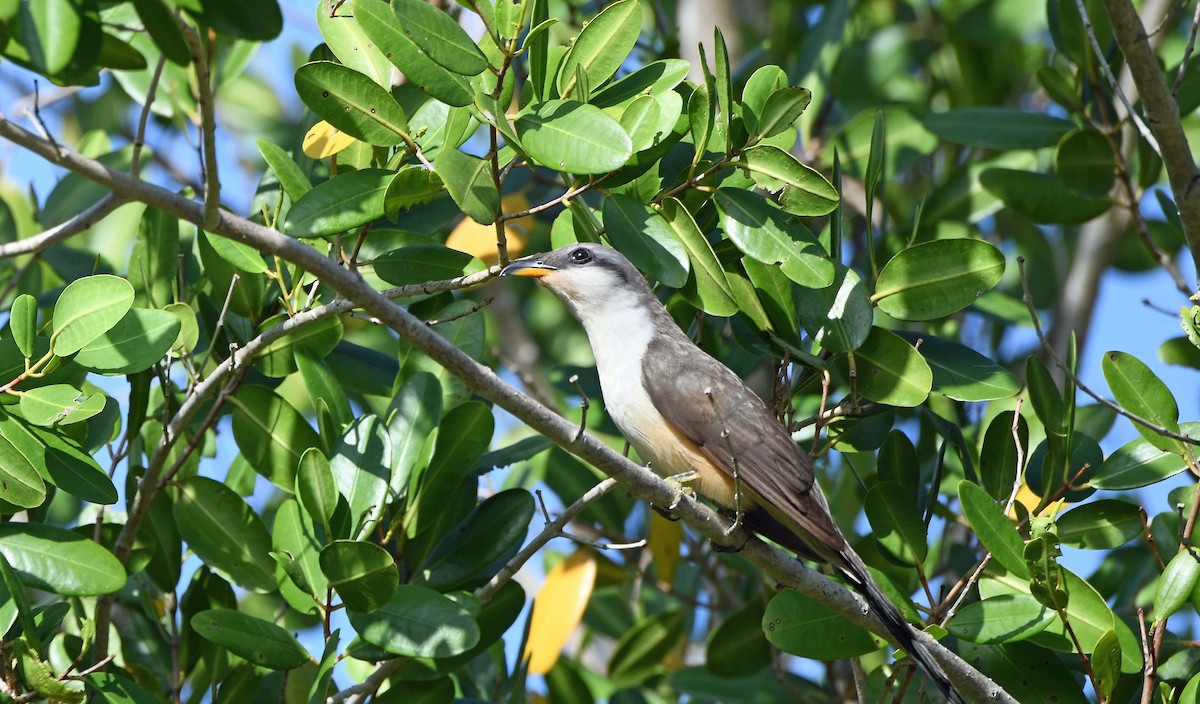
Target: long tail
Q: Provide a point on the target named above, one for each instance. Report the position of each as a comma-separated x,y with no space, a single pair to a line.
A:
861,580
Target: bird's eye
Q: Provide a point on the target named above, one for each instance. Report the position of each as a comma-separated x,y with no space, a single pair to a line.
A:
581,256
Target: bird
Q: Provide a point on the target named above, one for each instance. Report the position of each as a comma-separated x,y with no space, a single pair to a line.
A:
694,420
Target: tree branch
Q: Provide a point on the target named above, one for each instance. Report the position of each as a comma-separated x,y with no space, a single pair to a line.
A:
479,379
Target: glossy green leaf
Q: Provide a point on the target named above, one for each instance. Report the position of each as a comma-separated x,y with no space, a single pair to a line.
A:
783,107
896,522
260,642
425,262
762,84
315,486
297,549
1084,161
775,295
1138,463
86,309
60,404
801,626
602,46
765,233
412,186
60,561
994,529
414,414
50,30
277,358
701,115
240,256
339,204
323,386
1000,129
963,374
1106,663
418,622
890,371
1043,198
256,20
1176,584
291,178
838,316
463,436
67,465
160,25
645,237
707,284
567,135
439,37
271,434
361,465
352,102
640,650
363,574
384,28
1001,619
934,279
737,646
476,549
641,121
141,338
998,459
469,181
19,459
805,191
1142,393
112,687
1100,525
22,322
224,532
350,44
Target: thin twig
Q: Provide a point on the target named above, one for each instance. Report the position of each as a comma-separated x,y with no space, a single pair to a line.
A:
458,316
583,406
139,138
208,122
1187,53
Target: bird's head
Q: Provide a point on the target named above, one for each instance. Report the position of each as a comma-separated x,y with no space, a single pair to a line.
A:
587,277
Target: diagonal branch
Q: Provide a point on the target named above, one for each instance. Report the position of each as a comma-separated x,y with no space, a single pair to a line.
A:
479,379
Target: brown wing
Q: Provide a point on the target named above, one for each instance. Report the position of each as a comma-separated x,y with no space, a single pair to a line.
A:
676,374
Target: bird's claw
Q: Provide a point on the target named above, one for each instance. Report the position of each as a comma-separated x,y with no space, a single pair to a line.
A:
677,481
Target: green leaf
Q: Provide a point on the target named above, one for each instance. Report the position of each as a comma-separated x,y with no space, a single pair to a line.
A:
994,529
707,285
361,465
339,204
805,192
655,79
701,114
277,359
412,186
351,102
23,486
641,121
934,279
425,262
469,181
478,547
60,404
271,434
1138,463
293,180
350,44
160,25
737,647
961,373
781,110
363,574
240,256
998,459
762,84
189,329
257,641
60,561
764,232
1176,584
1084,162
463,436
439,37
22,323
297,553
418,622
316,487
602,46
256,20
1043,198
414,414
570,136
801,626
224,532
645,237
67,465
890,371
1142,393
1106,663
896,522
50,31
1001,619
640,651
1100,525
86,309
140,339
1001,129
323,387
838,316
383,27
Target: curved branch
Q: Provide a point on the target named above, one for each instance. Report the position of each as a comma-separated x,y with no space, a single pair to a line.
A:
479,379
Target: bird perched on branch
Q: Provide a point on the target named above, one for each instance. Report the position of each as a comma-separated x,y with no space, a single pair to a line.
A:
694,420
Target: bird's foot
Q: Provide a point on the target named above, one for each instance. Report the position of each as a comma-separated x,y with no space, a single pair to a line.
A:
678,481
736,517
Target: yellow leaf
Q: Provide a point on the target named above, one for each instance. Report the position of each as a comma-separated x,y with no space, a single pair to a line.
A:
324,140
1027,498
558,609
664,540
480,240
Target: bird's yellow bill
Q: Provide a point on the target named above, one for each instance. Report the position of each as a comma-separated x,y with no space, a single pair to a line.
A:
533,271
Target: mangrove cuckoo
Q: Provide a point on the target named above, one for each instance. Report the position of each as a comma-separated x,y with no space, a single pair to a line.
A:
692,418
